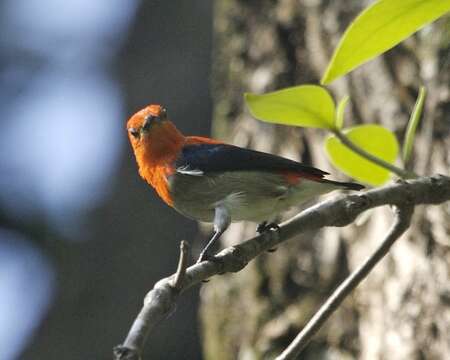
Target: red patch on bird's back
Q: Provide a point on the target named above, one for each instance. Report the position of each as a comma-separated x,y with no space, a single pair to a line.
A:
293,178
194,140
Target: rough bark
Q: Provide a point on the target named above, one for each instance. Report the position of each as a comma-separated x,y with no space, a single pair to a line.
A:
401,310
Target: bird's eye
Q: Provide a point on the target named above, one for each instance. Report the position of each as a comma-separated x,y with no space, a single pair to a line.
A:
134,132
149,121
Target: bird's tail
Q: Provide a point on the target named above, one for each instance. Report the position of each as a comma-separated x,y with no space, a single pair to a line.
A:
346,185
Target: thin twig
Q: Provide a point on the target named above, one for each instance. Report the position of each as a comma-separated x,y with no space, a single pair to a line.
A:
134,343
400,225
384,164
182,265
160,301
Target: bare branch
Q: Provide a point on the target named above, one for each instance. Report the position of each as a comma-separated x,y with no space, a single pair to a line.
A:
400,225
153,310
182,265
160,301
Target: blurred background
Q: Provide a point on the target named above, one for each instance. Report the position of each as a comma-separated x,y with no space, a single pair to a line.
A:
82,238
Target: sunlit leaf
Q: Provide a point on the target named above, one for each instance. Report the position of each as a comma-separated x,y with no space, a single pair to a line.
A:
378,28
340,111
412,125
305,105
374,139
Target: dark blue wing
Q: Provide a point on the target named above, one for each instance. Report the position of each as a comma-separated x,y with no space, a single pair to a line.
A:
209,158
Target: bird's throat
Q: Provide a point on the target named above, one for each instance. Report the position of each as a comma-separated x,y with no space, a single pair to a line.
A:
161,145
156,154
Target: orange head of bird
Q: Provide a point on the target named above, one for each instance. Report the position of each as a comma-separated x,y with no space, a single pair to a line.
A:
141,124
153,137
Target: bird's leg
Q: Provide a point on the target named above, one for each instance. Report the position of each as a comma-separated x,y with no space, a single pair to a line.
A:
222,220
204,254
266,226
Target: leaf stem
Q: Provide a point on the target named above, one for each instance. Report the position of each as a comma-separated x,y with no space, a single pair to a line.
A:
412,126
376,160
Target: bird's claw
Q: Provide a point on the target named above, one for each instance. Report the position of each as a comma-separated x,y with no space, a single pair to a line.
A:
265,226
204,256
207,257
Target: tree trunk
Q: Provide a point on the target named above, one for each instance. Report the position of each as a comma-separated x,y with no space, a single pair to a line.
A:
401,311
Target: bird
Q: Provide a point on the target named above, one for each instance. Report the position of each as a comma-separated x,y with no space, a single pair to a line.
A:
211,181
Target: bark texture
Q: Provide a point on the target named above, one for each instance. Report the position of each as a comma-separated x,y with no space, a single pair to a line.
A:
402,310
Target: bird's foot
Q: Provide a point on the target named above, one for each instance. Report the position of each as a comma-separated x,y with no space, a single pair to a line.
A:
208,257
265,227
204,256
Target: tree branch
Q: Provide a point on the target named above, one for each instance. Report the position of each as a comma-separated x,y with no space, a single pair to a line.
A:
182,265
153,308
400,225
160,301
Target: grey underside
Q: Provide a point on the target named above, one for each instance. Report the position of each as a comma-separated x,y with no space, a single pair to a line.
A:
247,195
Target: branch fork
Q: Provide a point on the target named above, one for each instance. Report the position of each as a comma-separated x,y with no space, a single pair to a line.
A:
403,196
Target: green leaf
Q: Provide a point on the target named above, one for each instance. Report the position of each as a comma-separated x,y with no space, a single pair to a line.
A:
374,139
412,125
305,105
341,111
378,28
